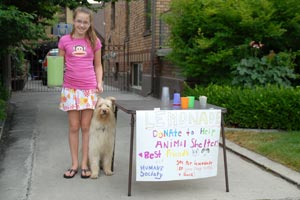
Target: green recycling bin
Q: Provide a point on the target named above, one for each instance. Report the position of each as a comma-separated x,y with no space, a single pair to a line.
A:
55,71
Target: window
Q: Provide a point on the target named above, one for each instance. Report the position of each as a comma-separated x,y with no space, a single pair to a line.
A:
113,15
116,73
137,70
148,9
127,21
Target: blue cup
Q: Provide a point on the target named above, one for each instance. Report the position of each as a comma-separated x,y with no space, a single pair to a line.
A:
176,100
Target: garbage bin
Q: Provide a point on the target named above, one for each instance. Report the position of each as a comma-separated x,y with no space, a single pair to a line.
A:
55,71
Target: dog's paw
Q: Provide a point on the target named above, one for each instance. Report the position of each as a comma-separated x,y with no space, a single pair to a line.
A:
108,173
94,176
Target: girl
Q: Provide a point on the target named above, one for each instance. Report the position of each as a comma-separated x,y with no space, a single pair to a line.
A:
82,81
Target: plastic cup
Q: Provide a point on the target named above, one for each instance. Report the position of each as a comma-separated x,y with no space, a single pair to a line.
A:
176,100
165,98
191,101
203,101
165,91
184,102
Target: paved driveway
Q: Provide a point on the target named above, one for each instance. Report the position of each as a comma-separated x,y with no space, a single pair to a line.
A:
35,154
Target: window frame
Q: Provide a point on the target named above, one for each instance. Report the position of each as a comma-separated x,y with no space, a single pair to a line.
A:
136,79
148,17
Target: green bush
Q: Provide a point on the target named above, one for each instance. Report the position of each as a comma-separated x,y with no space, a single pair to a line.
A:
2,109
277,69
208,38
4,95
270,107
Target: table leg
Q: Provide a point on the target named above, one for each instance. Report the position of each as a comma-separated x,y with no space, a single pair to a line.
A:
113,158
224,153
131,154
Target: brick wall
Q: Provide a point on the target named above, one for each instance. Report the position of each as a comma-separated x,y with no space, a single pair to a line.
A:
135,42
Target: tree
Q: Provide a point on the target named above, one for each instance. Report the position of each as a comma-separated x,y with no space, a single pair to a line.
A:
17,26
23,24
208,38
24,21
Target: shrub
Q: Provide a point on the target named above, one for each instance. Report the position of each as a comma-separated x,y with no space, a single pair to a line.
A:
4,95
2,109
209,39
269,107
277,69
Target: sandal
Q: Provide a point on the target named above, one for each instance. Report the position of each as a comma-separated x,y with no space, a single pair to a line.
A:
74,171
85,171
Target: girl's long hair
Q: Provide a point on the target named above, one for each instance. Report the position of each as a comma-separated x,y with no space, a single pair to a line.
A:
90,34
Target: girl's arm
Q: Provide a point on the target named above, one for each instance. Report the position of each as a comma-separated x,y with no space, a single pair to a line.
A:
61,52
98,70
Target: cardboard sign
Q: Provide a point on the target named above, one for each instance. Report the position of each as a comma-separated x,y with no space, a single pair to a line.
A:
177,144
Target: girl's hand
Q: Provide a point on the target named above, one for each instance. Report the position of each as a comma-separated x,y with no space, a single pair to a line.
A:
99,88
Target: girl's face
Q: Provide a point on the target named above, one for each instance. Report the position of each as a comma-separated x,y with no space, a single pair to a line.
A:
81,23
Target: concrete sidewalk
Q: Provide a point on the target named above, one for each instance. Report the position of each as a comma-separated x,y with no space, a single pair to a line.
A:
35,154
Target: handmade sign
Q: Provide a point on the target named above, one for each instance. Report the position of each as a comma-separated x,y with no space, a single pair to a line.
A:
177,144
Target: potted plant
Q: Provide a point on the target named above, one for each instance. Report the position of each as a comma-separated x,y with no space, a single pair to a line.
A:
20,68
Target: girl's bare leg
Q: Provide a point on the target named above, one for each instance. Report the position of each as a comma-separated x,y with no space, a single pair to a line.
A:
74,126
86,117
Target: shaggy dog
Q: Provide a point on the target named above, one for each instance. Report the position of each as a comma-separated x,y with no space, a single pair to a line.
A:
102,137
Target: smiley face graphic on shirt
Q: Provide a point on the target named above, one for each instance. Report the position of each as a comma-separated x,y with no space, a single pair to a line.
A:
79,50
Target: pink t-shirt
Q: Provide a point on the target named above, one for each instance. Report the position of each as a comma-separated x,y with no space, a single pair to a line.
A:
79,61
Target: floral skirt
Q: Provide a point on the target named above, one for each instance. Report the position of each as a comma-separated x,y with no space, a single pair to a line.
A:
76,99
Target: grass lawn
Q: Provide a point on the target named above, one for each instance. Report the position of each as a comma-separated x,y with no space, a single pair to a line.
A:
282,147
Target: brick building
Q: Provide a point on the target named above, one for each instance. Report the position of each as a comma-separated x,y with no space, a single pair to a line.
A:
135,47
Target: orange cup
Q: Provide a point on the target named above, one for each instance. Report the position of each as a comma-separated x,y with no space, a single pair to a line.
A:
184,102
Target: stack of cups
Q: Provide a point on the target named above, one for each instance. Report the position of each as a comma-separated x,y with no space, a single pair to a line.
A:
184,102
176,101
165,98
191,101
203,100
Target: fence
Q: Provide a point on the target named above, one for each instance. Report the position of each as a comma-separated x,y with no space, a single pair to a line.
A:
112,83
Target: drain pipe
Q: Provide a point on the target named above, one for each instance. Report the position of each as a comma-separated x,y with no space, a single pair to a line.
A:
153,34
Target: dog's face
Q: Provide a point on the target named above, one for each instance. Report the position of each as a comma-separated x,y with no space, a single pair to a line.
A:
105,108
